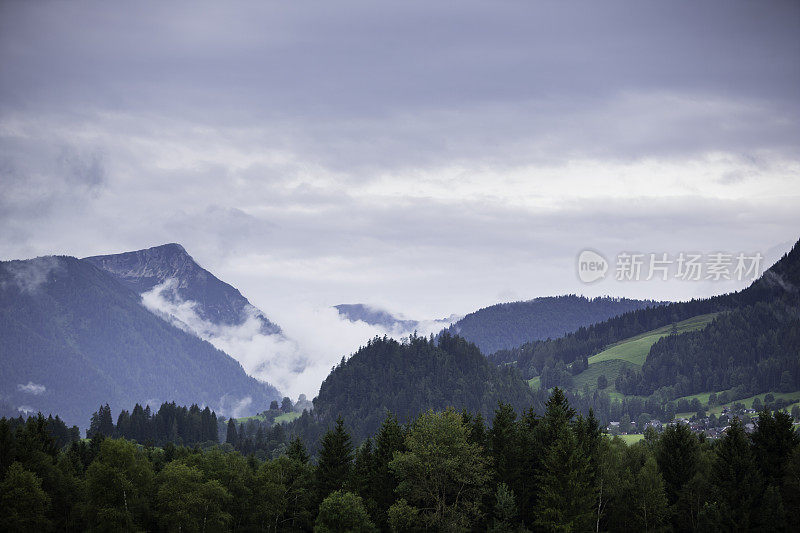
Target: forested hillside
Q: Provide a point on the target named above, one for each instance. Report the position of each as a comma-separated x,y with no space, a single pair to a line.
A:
509,325
778,286
443,471
74,337
386,376
409,378
757,347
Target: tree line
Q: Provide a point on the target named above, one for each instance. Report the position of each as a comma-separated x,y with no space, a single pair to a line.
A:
444,471
171,423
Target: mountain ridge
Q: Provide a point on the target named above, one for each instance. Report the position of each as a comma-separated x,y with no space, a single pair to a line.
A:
511,324
75,337
152,268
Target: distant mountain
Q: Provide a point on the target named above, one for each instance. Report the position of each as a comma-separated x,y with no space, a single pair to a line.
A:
508,325
411,377
374,316
179,278
379,317
752,344
73,336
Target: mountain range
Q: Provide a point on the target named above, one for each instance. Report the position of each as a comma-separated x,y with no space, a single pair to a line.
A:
75,336
508,325
133,327
505,325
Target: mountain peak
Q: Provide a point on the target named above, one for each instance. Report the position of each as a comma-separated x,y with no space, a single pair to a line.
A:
170,247
148,269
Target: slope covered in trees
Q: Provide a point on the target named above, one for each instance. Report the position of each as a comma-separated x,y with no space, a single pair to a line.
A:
776,288
443,471
411,377
508,325
754,347
74,337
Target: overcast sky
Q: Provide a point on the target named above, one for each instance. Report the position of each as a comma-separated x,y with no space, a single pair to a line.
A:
428,157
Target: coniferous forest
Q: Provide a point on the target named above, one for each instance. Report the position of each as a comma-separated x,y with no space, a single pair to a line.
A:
443,471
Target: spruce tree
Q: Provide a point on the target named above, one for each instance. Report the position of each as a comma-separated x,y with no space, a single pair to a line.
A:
335,460
566,497
504,445
390,439
362,475
232,437
297,451
773,440
736,478
677,455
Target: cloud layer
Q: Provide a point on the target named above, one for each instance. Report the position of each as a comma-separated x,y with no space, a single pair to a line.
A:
429,159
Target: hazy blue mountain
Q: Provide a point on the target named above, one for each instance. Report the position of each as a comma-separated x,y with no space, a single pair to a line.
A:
73,336
215,300
508,325
373,316
379,317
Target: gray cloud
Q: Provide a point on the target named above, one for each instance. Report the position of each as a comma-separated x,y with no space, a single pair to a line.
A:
83,170
427,158
32,388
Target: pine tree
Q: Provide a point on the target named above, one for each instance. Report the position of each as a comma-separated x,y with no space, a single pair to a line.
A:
566,497
504,445
232,436
773,440
297,451
772,512
505,509
361,478
335,461
791,490
736,478
123,424
389,439
677,455
101,423
531,445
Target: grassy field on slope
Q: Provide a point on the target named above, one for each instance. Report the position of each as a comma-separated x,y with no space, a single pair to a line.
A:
280,419
630,353
635,349
793,397
287,417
